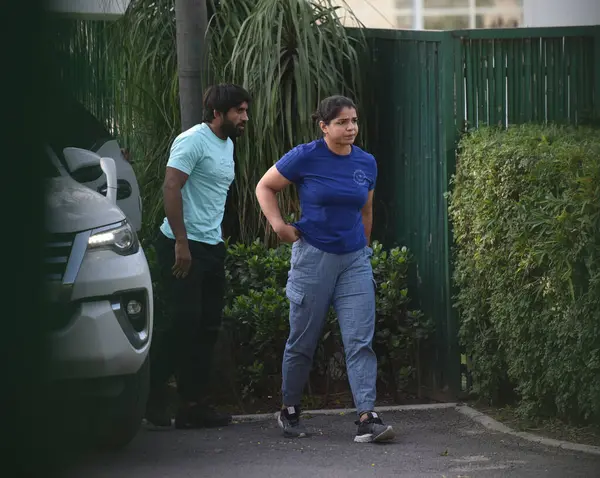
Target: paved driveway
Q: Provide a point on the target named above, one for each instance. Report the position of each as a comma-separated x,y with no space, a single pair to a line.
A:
430,443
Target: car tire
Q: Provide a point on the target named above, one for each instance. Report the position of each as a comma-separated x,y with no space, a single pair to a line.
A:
118,420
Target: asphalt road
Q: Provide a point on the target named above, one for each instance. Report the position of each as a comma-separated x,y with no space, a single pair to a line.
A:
429,443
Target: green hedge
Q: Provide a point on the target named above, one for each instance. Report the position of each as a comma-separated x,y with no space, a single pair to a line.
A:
257,318
526,213
256,324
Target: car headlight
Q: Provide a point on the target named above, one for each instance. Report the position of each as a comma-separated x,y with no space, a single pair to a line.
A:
120,237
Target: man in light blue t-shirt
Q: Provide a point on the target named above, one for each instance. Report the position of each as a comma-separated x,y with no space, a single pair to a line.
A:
191,258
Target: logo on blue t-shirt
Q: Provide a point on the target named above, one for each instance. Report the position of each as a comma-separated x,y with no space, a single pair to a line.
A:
360,177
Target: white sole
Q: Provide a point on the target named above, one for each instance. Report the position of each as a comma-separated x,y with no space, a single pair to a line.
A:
386,435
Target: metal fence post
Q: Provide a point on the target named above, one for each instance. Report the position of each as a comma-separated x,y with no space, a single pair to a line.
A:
451,77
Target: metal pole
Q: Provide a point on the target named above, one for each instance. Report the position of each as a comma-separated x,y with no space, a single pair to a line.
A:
472,14
418,14
191,23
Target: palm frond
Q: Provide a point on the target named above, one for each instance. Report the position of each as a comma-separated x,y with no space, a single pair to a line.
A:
289,54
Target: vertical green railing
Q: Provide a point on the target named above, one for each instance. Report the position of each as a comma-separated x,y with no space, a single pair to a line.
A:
424,90
528,75
516,76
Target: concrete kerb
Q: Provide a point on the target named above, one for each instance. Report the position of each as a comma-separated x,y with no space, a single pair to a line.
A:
494,425
475,415
346,411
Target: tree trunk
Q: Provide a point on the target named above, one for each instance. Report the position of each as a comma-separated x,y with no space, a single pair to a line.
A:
191,23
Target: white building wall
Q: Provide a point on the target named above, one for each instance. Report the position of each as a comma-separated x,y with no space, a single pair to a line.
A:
371,13
434,15
557,13
89,9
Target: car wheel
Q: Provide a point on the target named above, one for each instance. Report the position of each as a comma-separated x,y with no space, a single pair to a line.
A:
119,419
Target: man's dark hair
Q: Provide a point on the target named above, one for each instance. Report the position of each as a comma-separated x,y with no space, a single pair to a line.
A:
330,108
222,98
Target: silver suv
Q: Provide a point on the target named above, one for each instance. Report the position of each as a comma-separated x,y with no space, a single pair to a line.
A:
98,284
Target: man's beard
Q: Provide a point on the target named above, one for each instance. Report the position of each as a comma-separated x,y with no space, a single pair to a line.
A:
230,129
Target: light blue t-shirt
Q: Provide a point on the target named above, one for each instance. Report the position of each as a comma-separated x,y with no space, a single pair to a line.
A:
208,160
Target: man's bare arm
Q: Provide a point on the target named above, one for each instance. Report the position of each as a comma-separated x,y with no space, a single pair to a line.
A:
174,182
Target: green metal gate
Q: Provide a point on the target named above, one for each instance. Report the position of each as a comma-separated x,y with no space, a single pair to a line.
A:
423,89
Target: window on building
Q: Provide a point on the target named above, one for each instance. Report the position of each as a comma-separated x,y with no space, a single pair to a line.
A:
446,22
401,4
497,21
498,3
404,22
445,3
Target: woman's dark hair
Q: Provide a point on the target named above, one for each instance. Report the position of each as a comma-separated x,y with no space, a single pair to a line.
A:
330,108
222,98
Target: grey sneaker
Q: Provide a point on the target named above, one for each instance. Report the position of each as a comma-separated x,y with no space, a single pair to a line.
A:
289,421
373,430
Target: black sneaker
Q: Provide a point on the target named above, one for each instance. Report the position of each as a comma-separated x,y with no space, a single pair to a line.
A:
373,430
289,421
200,416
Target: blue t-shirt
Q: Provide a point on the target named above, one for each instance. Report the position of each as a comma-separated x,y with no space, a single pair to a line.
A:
333,190
208,160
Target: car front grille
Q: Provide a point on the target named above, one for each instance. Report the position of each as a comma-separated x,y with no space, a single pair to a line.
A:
56,255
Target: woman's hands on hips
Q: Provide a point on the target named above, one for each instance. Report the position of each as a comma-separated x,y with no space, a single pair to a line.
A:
287,233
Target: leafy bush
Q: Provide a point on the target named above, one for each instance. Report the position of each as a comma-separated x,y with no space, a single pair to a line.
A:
256,323
399,330
257,320
526,213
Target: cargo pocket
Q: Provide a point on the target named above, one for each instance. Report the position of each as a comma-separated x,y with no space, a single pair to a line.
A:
296,297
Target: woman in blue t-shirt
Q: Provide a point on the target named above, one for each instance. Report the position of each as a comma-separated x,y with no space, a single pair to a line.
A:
331,260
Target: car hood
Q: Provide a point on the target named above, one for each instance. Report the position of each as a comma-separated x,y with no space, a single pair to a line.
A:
72,207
